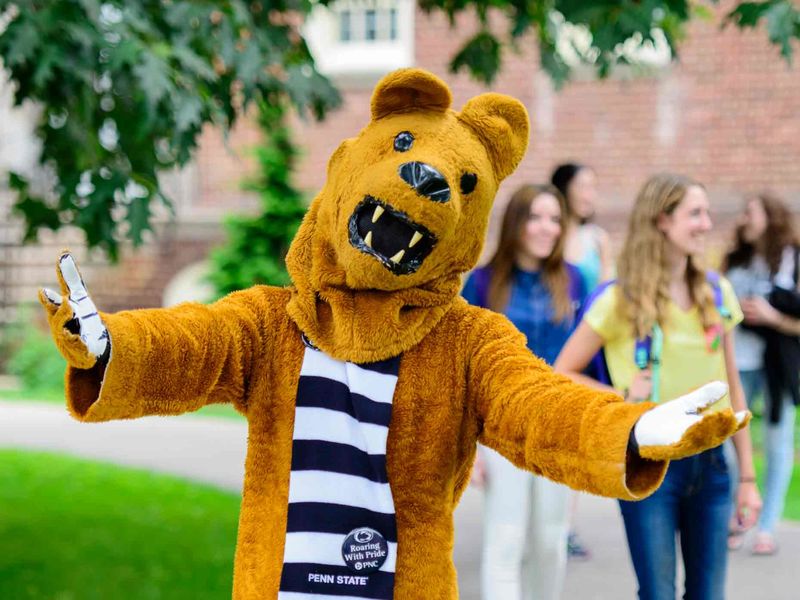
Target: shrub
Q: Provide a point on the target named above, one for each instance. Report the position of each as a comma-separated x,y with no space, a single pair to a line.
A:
34,357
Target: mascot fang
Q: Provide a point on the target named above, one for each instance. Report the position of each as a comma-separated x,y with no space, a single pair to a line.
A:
368,382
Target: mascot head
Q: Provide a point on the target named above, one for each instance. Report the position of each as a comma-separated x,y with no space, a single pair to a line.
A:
406,203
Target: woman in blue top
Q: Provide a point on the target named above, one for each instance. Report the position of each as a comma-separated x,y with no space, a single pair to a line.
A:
586,244
588,247
527,279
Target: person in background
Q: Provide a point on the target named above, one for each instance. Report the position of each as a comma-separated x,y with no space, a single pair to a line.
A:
587,245
764,255
664,296
527,279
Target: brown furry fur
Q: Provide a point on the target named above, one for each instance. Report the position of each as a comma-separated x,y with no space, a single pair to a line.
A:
466,374
471,378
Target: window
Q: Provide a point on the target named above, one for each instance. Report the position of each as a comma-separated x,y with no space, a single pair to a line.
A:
345,29
362,38
370,29
393,24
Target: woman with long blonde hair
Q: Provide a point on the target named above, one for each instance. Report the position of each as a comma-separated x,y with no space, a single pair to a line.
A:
527,279
665,328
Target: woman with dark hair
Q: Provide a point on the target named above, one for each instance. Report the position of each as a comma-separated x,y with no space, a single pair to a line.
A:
587,245
527,279
764,256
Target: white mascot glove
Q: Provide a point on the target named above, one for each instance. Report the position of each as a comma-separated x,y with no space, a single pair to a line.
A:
680,427
76,325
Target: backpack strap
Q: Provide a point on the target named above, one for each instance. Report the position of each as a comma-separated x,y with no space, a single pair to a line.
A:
575,285
482,278
598,367
593,296
712,277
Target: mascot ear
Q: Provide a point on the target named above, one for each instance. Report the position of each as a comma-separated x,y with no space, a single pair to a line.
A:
409,90
337,155
501,123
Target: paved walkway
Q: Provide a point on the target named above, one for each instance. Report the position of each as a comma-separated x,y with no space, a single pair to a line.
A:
212,451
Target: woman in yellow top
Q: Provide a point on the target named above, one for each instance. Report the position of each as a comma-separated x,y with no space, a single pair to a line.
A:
664,295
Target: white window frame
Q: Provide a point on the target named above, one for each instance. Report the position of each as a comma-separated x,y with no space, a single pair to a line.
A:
357,57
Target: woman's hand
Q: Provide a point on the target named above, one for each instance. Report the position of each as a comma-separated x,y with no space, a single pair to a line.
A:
748,504
641,386
757,311
478,476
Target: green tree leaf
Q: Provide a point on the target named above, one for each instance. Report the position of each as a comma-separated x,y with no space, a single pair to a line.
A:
782,19
480,56
138,217
161,70
127,86
153,75
22,43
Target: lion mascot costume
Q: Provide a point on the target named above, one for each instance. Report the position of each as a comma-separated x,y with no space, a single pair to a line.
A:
367,383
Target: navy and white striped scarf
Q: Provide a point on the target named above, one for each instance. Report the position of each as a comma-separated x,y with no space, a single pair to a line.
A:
338,481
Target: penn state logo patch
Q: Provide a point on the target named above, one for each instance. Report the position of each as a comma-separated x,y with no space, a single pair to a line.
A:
364,550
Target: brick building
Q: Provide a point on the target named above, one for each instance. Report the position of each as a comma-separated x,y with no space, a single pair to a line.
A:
728,114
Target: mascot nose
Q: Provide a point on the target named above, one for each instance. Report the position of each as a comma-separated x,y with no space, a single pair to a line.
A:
426,181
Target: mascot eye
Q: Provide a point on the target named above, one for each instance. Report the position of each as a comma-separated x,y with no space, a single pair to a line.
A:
468,182
403,141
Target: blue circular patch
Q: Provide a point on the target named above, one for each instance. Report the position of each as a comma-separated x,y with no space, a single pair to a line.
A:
364,550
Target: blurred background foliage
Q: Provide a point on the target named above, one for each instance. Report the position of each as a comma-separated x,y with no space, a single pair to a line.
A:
125,89
256,246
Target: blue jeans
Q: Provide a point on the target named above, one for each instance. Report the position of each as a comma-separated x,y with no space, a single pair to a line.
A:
752,385
779,458
693,502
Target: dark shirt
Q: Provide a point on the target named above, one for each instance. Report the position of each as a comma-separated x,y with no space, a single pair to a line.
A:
530,308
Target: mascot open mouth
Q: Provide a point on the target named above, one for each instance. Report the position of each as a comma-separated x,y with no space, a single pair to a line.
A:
390,236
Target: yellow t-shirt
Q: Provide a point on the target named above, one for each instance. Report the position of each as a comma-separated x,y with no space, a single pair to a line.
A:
688,358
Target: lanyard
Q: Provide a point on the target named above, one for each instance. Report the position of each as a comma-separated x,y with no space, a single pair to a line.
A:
647,352
655,360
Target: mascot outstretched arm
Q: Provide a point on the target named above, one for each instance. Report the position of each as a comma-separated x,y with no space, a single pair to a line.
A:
368,382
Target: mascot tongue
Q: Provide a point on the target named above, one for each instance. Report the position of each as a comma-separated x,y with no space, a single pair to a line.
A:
358,325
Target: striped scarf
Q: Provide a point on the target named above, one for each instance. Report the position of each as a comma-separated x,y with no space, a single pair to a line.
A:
338,482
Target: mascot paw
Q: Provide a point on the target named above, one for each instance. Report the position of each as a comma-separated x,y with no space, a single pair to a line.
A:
77,328
682,427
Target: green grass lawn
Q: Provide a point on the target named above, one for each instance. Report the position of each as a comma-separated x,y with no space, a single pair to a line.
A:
77,530
792,510
57,397
45,395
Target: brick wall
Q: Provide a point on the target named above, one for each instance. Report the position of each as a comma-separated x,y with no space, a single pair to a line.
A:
727,114
138,281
